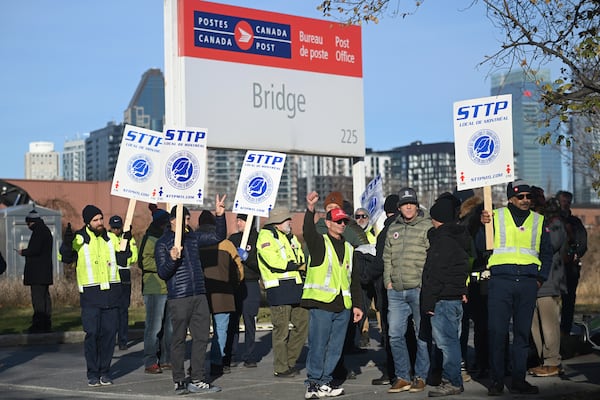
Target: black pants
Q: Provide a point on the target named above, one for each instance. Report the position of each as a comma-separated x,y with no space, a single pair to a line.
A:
42,309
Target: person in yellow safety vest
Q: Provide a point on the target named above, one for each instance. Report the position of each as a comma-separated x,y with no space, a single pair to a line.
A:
332,294
519,264
363,218
97,257
281,262
116,228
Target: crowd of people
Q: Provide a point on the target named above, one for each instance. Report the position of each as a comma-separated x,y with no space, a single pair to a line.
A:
426,276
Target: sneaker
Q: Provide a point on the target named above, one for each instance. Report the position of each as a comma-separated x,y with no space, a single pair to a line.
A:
445,389
290,373
196,386
417,385
153,369
165,366
181,388
94,382
250,364
466,377
384,380
105,381
330,390
545,370
312,391
400,385
523,387
496,389
226,369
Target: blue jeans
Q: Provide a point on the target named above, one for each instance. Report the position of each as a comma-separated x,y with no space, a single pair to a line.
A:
446,328
326,334
157,321
401,304
219,339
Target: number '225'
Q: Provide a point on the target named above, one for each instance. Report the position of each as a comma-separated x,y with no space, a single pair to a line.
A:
349,136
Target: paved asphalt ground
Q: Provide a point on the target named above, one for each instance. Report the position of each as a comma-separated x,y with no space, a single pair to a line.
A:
52,366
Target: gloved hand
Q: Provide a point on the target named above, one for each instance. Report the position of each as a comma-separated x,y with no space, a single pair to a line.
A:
242,253
127,235
69,235
122,257
292,266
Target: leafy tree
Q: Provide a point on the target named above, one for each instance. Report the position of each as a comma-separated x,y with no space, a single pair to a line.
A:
536,32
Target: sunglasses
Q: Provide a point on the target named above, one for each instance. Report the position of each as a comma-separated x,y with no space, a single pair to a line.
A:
360,216
524,196
342,221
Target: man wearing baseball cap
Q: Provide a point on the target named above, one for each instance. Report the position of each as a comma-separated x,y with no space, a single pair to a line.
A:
116,228
332,294
404,254
519,264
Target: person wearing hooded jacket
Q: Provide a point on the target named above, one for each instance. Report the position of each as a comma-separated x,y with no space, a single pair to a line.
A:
444,289
38,272
180,266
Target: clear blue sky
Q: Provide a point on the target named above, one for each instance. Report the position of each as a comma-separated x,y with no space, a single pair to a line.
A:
68,67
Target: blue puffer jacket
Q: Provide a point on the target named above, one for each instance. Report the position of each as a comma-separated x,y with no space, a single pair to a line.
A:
185,277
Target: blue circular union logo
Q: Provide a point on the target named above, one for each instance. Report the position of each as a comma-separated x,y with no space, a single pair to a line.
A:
182,170
484,147
139,168
258,187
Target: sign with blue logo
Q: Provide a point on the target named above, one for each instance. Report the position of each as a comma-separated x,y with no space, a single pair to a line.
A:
483,142
182,169
259,183
372,199
136,173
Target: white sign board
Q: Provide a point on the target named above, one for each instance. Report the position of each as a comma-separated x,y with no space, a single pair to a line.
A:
372,199
259,182
483,142
137,171
183,165
263,80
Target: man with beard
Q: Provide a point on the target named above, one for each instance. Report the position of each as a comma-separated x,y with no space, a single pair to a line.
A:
97,258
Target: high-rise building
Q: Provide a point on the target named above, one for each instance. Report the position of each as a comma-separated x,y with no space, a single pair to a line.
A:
73,160
586,143
42,162
102,152
430,169
538,165
147,106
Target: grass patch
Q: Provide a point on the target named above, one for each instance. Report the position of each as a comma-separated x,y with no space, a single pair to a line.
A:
64,319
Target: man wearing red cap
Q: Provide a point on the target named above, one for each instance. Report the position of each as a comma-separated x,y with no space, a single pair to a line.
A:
331,293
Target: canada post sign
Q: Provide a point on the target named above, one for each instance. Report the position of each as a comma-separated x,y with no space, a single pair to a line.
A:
224,32
293,84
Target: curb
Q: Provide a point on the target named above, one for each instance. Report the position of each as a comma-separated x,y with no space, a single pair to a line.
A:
27,339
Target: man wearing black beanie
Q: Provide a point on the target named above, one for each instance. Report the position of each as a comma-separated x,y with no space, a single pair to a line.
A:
443,289
97,257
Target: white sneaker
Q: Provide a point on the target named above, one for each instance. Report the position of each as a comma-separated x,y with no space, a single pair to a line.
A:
328,390
202,387
312,391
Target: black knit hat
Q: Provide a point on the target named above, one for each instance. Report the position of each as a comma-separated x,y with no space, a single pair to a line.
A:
391,203
516,187
444,209
89,212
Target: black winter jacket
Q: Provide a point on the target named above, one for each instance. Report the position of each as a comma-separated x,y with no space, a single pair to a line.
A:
447,265
38,256
185,276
